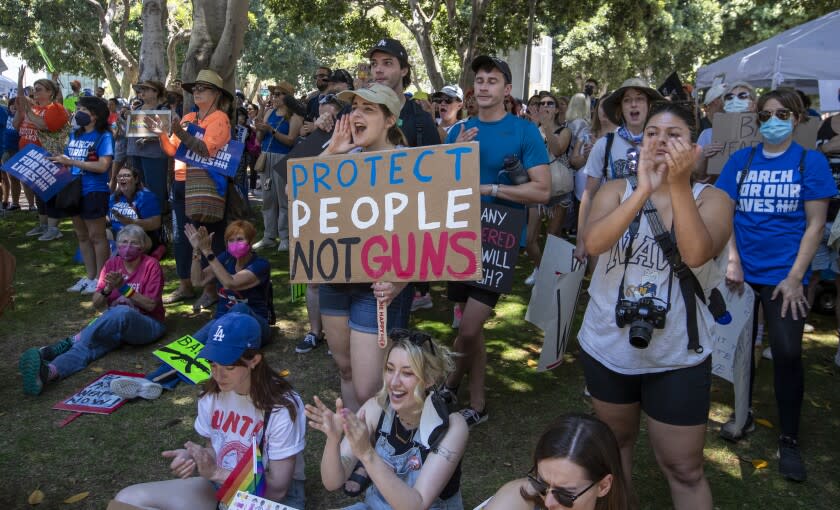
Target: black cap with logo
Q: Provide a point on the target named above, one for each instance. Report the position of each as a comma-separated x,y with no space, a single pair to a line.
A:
485,60
391,47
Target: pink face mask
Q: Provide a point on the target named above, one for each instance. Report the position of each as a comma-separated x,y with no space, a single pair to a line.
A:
129,252
238,248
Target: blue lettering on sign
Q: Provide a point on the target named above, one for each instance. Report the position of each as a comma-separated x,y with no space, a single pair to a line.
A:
372,160
319,177
351,163
396,168
458,152
298,180
419,161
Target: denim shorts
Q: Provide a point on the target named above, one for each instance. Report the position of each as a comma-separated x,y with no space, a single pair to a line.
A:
356,301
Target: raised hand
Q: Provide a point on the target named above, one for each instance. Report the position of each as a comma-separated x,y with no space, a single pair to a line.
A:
649,174
466,135
322,418
681,159
357,432
342,138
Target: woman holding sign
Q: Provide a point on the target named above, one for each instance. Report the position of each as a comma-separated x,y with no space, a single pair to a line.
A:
782,191
88,154
349,310
635,355
244,405
213,103
405,438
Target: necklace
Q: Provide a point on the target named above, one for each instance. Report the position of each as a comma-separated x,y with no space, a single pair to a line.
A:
398,425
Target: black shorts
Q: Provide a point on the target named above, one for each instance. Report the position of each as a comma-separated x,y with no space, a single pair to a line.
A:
676,397
459,292
93,206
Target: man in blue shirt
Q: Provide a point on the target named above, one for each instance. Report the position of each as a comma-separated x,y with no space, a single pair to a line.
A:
499,135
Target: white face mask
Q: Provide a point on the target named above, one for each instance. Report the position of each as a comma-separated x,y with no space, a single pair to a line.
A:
736,105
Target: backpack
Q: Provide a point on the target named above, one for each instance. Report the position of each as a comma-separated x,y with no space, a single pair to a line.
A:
7,279
610,138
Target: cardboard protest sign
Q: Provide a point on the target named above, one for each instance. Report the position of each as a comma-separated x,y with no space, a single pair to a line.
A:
738,130
136,123
96,397
554,299
501,231
181,355
32,167
401,215
730,338
246,501
225,162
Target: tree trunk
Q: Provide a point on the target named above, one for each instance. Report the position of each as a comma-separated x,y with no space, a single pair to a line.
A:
216,42
468,50
172,52
112,77
152,46
110,47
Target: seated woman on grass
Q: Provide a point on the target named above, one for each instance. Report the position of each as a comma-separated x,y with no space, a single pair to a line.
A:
242,277
129,290
269,412
405,439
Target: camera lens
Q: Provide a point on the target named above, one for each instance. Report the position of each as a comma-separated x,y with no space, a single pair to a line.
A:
640,333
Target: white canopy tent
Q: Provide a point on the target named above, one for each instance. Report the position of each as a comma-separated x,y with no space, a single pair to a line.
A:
795,58
7,86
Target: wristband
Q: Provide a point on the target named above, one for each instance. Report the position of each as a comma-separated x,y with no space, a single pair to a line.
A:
126,290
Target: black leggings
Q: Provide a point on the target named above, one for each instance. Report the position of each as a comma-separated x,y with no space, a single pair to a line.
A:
786,345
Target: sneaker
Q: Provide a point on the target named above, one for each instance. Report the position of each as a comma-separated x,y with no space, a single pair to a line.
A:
264,243
37,231
283,245
457,314
133,387
531,280
79,285
309,342
205,301
767,353
13,207
421,302
50,352
809,328
34,371
177,296
50,234
90,288
790,460
729,431
473,417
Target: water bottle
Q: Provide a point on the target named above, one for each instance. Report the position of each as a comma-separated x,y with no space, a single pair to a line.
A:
515,171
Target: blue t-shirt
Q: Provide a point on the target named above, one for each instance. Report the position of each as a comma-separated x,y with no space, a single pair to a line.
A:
4,117
255,297
510,136
78,149
144,205
770,211
271,144
11,137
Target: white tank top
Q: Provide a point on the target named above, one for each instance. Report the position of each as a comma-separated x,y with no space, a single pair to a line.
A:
648,275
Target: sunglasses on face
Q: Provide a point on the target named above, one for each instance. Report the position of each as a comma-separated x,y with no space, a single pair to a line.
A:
549,104
447,100
562,496
418,338
740,95
201,88
781,114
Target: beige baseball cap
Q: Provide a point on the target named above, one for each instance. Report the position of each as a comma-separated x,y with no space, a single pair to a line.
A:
375,93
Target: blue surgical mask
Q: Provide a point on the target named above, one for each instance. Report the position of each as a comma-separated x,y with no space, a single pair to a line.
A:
82,119
736,105
775,131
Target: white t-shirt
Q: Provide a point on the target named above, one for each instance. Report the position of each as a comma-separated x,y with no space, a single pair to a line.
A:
648,274
617,164
230,420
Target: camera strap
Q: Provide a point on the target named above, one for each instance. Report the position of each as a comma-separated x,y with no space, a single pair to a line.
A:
689,285
628,252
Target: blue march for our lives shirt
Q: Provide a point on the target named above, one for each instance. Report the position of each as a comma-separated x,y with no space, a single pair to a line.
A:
770,211
77,148
510,136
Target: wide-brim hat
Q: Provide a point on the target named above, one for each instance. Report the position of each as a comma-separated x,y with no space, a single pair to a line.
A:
284,87
150,84
612,104
375,93
208,77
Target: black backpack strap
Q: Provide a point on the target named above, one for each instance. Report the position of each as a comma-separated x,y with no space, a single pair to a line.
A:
744,173
610,138
802,160
418,126
266,417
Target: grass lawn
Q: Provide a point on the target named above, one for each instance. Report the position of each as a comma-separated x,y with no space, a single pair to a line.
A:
102,454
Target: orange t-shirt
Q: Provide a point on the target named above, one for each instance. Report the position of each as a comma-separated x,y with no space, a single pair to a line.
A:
216,128
54,114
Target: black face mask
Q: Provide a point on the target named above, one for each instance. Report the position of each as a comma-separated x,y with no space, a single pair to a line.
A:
82,119
588,90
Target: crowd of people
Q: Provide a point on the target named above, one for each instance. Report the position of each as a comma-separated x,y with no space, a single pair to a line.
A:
659,233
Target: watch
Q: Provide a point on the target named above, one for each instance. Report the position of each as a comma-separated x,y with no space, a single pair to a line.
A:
494,190
210,257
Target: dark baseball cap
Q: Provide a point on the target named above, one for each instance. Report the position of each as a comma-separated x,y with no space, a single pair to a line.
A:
485,60
341,76
391,47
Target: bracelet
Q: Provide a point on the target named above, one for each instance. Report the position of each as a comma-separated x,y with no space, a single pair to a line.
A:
126,290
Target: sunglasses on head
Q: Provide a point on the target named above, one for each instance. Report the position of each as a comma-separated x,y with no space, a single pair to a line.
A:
739,95
418,338
562,496
781,114
329,98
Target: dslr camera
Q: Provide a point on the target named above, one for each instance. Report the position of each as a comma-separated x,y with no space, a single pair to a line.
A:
643,316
